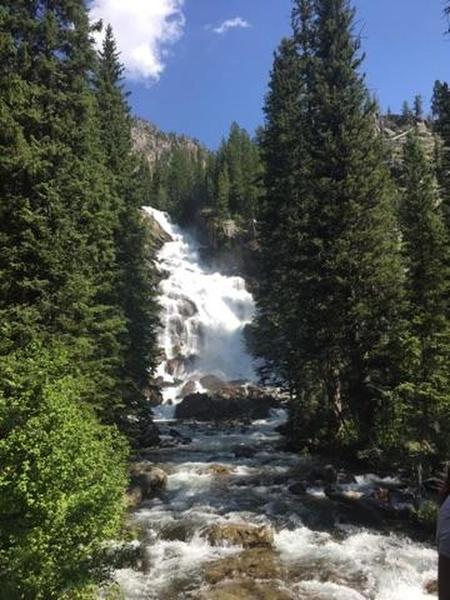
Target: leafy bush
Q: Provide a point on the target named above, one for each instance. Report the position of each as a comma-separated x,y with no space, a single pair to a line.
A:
61,483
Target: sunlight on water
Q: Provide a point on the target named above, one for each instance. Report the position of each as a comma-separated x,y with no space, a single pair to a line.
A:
204,315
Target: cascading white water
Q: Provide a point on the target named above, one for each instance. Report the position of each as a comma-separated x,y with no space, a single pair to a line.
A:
203,317
320,549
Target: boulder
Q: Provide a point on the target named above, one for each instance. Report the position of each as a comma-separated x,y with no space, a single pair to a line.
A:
239,534
431,587
246,590
212,383
224,406
188,388
174,365
218,470
187,308
146,480
255,563
362,509
298,489
181,439
158,234
330,475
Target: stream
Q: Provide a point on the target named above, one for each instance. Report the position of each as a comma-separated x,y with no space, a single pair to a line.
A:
223,474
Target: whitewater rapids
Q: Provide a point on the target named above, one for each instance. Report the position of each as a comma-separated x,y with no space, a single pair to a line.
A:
319,555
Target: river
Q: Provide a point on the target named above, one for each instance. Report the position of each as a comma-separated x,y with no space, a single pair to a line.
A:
317,552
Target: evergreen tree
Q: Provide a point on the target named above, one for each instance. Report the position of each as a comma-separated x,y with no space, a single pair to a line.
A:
418,107
423,399
222,202
407,112
134,288
441,114
342,266
274,338
57,216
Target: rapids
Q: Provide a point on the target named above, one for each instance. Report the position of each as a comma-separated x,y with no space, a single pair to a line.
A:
317,554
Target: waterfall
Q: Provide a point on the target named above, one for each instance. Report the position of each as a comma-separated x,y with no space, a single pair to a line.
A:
204,314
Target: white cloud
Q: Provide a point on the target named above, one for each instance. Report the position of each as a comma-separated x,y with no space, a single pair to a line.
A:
232,24
143,29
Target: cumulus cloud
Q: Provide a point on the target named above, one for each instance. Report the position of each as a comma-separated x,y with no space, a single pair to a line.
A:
144,29
231,24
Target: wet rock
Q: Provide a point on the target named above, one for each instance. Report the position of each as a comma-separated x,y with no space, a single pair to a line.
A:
158,234
176,326
362,509
218,470
143,432
345,478
182,439
188,389
324,571
243,451
298,489
322,475
239,534
246,590
256,563
221,407
187,308
134,497
431,587
330,475
212,383
145,481
174,365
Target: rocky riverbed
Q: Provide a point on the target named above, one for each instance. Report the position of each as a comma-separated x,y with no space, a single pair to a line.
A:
236,518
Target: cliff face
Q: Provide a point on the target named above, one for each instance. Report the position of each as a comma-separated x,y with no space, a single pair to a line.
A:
153,143
395,129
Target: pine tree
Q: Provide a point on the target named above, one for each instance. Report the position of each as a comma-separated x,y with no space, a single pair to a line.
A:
407,112
339,260
222,202
57,220
134,288
274,338
423,398
441,113
418,107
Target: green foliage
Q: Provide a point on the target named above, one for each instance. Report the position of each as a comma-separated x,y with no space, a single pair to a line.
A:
427,515
329,307
441,113
76,273
190,182
57,216
62,478
420,422
134,279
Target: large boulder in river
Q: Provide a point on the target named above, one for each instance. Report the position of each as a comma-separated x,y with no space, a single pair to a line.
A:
220,407
255,563
145,481
247,590
239,534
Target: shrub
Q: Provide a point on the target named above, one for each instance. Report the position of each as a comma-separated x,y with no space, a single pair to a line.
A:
61,482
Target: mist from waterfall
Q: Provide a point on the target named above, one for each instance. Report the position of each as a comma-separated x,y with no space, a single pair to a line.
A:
203,317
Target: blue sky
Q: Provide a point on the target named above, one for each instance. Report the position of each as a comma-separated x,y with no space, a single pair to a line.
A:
195,80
